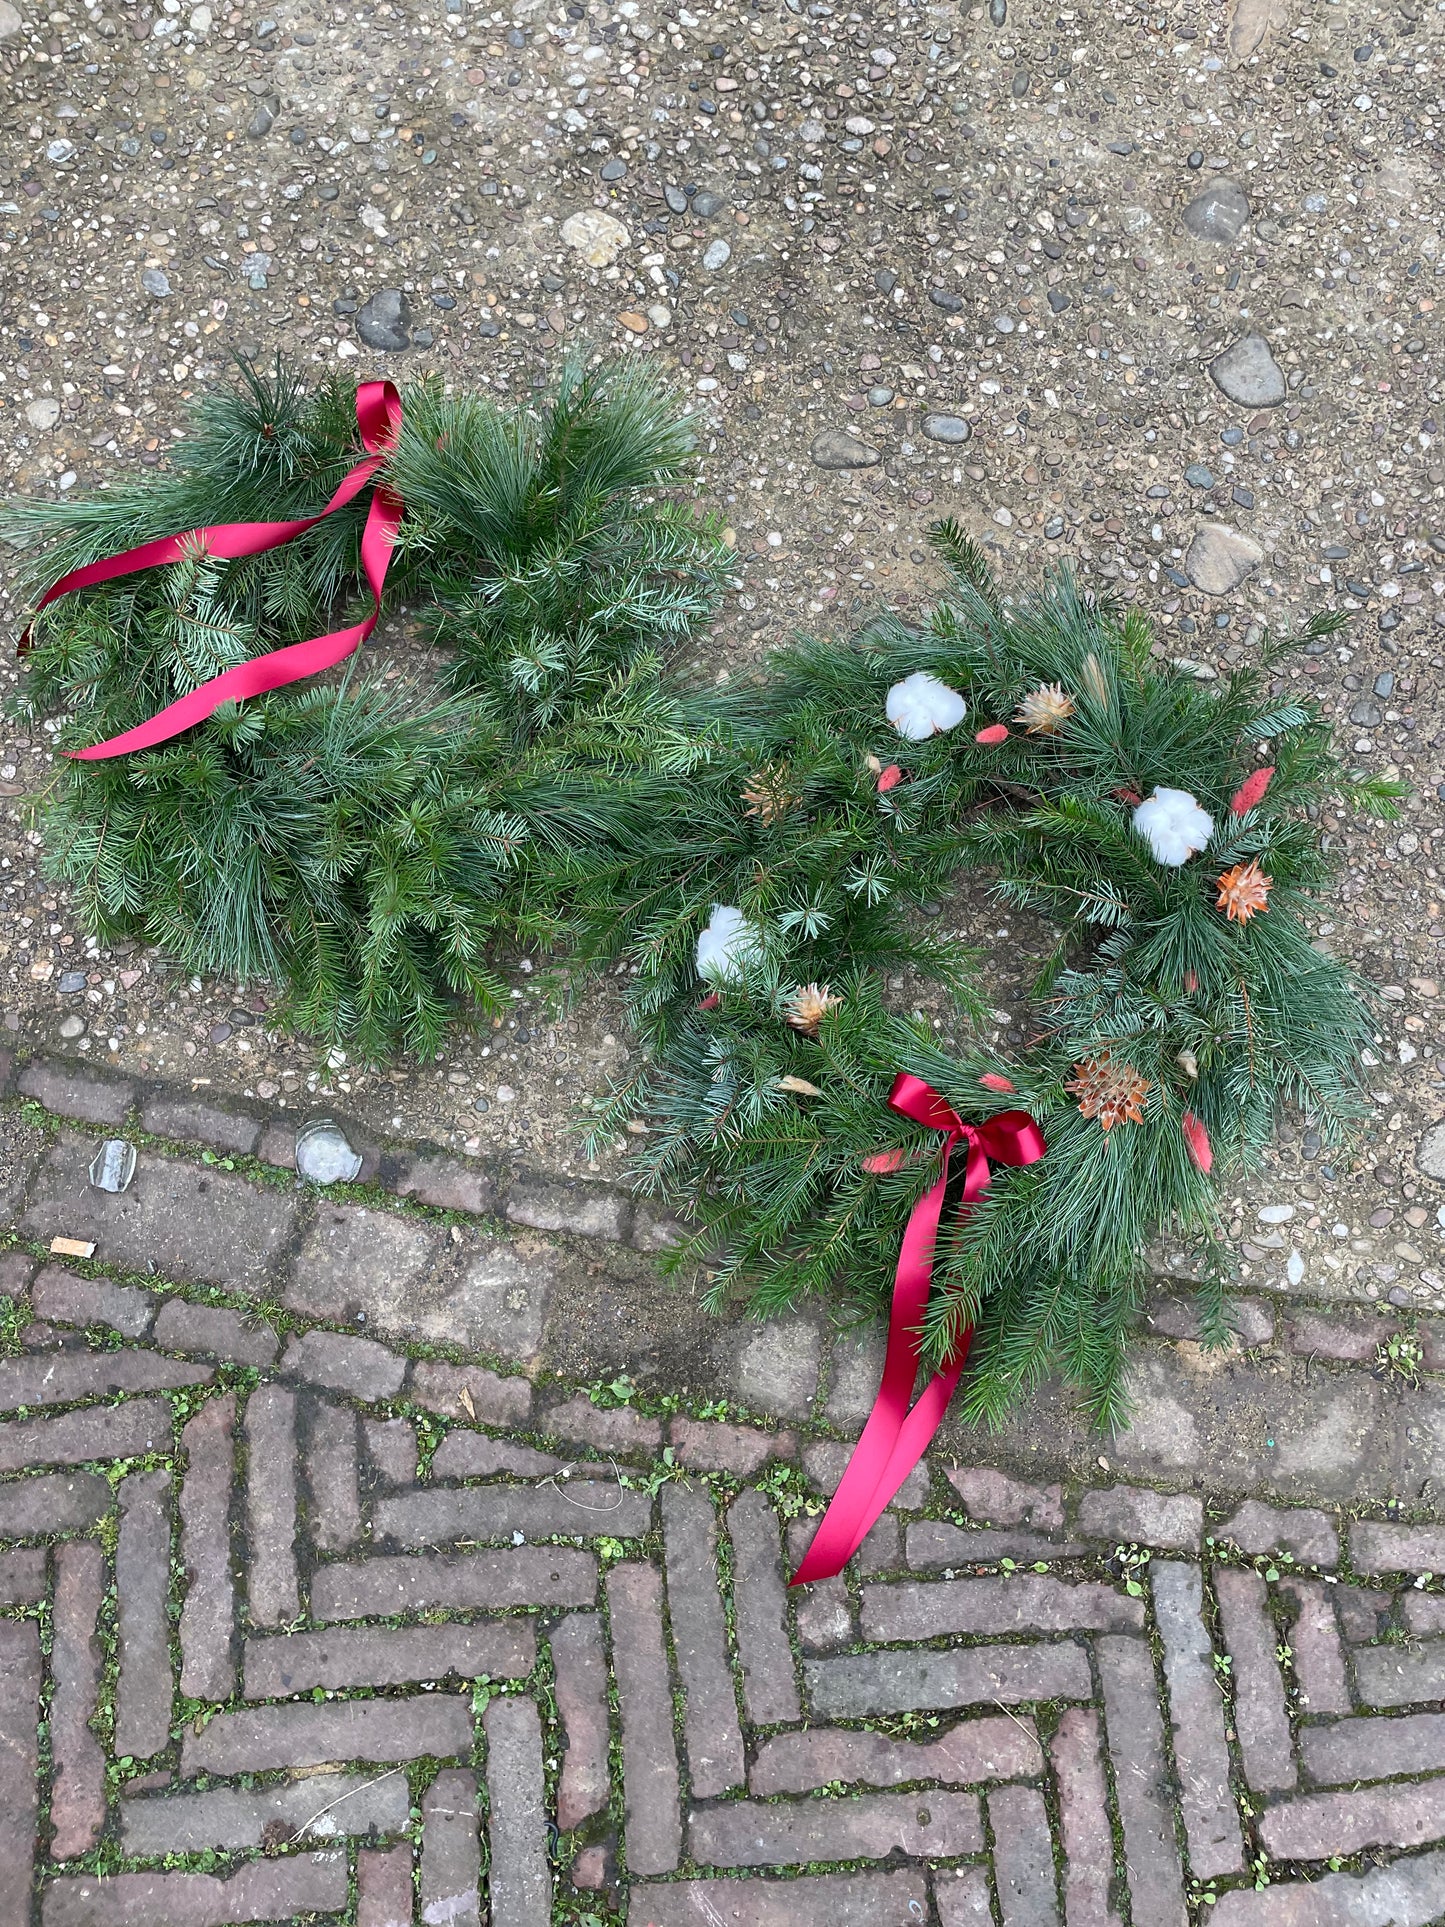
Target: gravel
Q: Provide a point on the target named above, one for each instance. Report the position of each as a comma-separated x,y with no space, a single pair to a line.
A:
1105,212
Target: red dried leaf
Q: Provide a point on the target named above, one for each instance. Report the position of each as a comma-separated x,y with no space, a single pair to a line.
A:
880,1163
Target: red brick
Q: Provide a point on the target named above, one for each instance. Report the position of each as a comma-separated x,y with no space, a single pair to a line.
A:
50,1502
260,1738
711,1732
1133,1515
1398,1675
1388,1548
383,1887
62,1378
1406,1893
446,1184
490,1399
747,1833
176,1114
486,1581
708,1445
824,1900
391,1447
142,1582
334,1509
236,1818
1146,1799
1315,1825
856,1685
760,1613
67,1300
1023,1602
216,1332
1211,1818
186,1222
72,1091
264,1890
1023,1860
573,1508
963,1897
77,1799
970,1753
935,1544
451,1852
22,1576
1260,1714
125,1431
619,1429
1085,1832
464,1454
1350,1339
388,1656
1306,1534
1319,1657
1345,1751
341,1362
19,1765
822,1611
208,1670
272,1592
579,1659
649,1752
519,1881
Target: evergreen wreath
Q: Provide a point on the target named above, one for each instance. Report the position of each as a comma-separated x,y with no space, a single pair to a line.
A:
362,841
751,856
1182,1009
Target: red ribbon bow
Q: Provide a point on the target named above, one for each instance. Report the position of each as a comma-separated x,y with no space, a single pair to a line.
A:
895,1438
378,416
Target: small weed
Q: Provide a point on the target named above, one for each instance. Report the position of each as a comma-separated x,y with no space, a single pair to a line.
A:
1400,1356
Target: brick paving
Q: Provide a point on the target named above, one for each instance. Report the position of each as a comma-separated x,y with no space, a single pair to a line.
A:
296,1624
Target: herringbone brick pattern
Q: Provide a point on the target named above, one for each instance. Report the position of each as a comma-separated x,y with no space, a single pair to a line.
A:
294,1626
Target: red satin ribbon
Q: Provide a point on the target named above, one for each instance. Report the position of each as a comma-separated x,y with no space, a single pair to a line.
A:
895,1438
378,416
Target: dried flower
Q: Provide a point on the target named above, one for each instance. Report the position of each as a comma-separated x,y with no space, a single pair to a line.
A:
1092,676
800,1085
809,1005
767,794
1250,791
1045,710
1113,1093
889,779
995,733
1243,890
995,1081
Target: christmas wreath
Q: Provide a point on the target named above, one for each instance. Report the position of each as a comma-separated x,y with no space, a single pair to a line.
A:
362,840
754,857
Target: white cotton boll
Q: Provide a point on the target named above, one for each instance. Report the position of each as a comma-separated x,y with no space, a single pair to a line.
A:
921,706
728,942
1173,825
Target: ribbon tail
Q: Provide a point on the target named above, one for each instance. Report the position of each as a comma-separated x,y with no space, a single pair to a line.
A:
277,667
855,1504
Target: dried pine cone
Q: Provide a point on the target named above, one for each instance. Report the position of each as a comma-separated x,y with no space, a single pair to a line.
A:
809,1005
767,795
1113,1093
1243,890
1045,710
